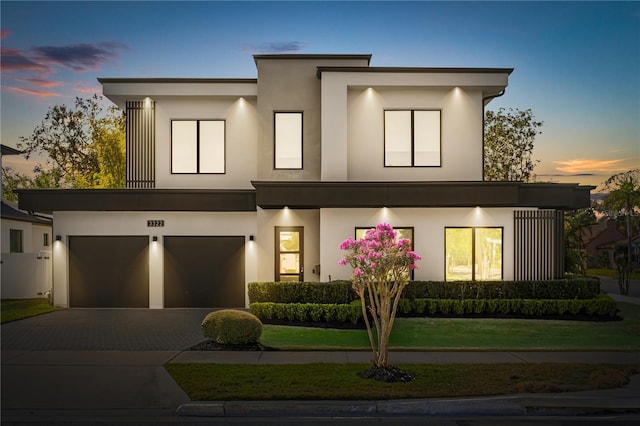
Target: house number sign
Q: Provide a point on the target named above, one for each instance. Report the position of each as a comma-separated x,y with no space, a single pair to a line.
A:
155,223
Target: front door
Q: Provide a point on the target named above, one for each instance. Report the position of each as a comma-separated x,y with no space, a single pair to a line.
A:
289,253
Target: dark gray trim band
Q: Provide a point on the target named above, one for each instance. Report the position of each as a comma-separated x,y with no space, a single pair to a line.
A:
429,70
308,195
49,200
179,80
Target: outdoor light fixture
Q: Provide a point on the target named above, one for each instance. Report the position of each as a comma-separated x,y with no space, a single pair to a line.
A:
58,238
251,238
155,238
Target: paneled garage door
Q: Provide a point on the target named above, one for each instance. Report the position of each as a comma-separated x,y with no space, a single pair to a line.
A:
108,272
203,272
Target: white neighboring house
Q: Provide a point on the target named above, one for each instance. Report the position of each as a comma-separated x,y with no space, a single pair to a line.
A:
26,254
231,181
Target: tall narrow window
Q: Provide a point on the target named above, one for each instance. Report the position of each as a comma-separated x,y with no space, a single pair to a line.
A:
473,254
45,239
15,241
197,146
412,138
289,253
288,140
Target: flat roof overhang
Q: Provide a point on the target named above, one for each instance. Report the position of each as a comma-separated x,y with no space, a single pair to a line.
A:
221,200
310,195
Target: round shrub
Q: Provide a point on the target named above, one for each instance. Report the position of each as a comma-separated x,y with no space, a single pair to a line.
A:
232,327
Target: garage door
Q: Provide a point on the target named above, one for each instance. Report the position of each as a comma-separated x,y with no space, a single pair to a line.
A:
108,272
203,272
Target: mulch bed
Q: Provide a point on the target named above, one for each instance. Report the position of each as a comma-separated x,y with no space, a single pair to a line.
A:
210,345
389,374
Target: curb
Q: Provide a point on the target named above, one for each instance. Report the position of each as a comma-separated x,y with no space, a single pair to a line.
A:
517,405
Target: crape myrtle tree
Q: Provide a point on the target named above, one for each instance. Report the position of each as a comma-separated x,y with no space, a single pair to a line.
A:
381,265
623,200
83,146
508,145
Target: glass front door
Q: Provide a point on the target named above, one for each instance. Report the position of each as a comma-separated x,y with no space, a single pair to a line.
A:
289,253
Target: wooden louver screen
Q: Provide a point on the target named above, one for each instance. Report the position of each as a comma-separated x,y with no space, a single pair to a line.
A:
539,244
141,144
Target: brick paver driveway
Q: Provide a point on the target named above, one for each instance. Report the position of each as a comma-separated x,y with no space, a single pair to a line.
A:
107,329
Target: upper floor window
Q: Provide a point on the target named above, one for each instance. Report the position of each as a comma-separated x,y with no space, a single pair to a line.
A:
412,138
288,140
198,146
15,241
45,239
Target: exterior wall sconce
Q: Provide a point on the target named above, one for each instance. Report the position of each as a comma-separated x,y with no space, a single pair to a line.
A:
58,238
251,238
155,238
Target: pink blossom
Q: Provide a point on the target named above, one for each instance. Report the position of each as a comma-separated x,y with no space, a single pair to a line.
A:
357,272
343,261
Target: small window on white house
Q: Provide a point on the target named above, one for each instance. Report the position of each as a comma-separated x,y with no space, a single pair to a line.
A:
15,241
45,239
288,140
412,138
198,146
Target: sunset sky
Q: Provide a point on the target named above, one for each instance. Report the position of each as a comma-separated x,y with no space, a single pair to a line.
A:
577,65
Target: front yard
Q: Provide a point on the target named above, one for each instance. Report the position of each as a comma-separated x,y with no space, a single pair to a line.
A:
472,334
17,309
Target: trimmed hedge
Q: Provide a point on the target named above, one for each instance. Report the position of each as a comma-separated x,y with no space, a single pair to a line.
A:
337,292
307,312
600,306
340,292
567,288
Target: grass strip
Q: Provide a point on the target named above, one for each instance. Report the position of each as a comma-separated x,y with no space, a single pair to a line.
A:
472,334
218,382
17,309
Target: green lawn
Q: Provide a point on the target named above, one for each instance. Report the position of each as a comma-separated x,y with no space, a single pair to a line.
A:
17,309
472,334
218,382
611,273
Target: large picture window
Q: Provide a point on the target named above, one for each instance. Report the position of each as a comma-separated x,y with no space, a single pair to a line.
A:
473,254
412,138
198,146
288,140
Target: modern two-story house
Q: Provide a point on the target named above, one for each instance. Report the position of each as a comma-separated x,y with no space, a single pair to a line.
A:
231,181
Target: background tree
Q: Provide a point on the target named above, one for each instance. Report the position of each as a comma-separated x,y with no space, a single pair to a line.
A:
508,145
84,146
623,200
575,253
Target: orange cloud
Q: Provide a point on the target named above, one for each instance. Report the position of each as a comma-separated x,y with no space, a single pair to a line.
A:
38,93
590,166
40,83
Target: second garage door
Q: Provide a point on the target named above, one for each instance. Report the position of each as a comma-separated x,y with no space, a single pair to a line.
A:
204,272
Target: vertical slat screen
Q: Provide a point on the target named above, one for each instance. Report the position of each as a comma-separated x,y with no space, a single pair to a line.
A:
141,137
539,244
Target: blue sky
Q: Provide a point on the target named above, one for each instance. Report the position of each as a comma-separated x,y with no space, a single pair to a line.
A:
577,64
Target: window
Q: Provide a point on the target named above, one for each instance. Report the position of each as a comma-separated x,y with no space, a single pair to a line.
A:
473,254
288,140
15,241
402,233
197,146
45,239
412,138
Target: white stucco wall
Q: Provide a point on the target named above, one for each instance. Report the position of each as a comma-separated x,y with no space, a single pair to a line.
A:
241,140
429,229
268,220
135,223
461,133
27,274
458,94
